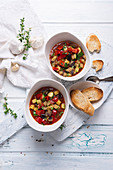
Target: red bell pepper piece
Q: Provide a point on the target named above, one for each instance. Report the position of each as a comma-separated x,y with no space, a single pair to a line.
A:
38,112
75,51
55,99
39,96
47,98
62,63
69,49
55,69
39,120
59,47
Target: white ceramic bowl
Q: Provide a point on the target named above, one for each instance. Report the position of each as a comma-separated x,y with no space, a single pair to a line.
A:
82,85
43,83
63,37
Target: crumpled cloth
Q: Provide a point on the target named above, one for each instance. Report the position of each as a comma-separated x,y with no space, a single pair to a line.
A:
34,67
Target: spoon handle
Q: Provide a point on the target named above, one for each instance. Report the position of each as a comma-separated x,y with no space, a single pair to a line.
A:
107,79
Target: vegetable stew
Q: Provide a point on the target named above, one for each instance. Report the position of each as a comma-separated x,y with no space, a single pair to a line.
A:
47,105
67,58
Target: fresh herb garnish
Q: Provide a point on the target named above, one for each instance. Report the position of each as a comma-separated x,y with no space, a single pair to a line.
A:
61,113
52,54
8,110
42,108
24,36
79,55
45,119
34,113
66,65
62,126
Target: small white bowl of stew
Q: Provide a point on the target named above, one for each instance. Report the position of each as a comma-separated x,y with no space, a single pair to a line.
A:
46,105
67,57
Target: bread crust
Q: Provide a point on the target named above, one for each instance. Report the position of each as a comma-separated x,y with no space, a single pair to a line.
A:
81,102
93,43
98,64
94,94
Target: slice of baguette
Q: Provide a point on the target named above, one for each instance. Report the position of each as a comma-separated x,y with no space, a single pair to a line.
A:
81,102
93,93
93,43
98,64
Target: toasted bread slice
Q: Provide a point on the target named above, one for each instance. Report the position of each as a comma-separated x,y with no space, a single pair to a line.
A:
98,64
93,43
93,93
81,102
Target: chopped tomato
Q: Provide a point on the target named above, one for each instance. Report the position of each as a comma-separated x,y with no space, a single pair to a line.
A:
55,99
75,50
47,98
39,107
58,58
44,121
39,120
54,119
67,43
55,69
42,111
38,112
62,63
59,47
69,49
63,56
54,112
39,96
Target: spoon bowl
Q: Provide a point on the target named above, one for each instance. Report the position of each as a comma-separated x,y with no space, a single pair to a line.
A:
97,80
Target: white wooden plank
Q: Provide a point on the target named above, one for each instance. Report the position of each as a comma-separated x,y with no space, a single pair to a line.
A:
103,31
73,11
54,161
87,139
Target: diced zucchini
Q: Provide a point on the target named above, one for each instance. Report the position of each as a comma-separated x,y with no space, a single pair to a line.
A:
32,106
73,56
56,92
56,106
67,61
35,108
58,102
77,69
69,74
39,101
50,94
54,58
63,106
64,48
34,101
50,107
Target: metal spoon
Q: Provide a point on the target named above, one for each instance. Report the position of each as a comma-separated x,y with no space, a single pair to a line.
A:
97,80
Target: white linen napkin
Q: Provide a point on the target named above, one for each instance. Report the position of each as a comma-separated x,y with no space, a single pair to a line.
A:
34,67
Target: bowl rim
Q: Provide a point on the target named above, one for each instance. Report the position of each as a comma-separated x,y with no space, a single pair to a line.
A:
79,75
61,120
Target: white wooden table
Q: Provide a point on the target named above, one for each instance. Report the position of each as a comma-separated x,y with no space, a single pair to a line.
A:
91,147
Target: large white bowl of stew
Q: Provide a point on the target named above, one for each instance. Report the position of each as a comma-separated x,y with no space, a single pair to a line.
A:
46,105
67,57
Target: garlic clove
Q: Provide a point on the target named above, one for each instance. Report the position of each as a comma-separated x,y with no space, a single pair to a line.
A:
16,47
15,67
36,42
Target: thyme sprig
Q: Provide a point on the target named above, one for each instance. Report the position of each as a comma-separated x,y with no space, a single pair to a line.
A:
7,109
24,36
